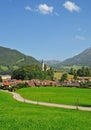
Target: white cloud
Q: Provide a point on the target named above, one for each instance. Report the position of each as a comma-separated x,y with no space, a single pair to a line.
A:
71,6
42,8
81,38
28,8
45,9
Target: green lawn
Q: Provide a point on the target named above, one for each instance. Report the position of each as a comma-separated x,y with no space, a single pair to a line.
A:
15,115
58,75
60,95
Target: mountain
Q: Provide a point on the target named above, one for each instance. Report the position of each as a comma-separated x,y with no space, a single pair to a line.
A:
82,59
52,62
11,59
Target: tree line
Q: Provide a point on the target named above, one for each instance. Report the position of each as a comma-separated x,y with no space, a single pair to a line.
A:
83,71
32,72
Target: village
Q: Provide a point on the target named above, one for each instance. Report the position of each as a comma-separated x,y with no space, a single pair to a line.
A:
7,82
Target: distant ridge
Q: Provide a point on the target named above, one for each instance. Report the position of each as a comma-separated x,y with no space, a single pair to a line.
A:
82,59
11,59
52,62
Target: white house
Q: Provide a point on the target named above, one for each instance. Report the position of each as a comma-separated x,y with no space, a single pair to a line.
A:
5,77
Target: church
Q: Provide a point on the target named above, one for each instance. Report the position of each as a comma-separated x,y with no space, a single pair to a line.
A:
44,67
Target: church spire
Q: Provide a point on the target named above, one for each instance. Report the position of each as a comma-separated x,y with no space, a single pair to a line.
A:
42,67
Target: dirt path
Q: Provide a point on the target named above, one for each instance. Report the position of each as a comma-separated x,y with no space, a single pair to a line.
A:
18,97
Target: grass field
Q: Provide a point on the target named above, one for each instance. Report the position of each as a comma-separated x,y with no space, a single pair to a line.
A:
57,75
21,116
61,95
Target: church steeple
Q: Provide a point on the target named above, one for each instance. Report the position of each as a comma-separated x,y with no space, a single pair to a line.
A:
42,66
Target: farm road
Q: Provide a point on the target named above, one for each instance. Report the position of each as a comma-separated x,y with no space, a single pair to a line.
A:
18,97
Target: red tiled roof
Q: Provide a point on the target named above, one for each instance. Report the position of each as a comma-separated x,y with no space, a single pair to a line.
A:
6,83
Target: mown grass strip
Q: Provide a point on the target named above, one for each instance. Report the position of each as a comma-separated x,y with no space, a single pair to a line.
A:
62,95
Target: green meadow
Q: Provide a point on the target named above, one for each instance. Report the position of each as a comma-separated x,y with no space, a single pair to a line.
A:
58,75
15,115
60,95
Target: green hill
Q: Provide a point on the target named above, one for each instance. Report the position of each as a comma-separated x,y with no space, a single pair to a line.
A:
11,59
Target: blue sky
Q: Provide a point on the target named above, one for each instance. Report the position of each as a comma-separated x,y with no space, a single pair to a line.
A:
46,29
